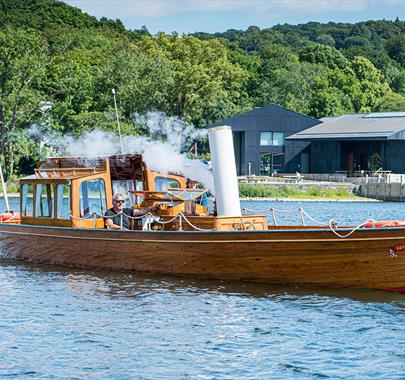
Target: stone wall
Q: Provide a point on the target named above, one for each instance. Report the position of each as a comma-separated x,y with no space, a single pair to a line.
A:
384,191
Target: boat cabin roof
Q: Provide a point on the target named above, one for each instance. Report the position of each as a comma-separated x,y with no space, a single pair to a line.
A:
124,166
120,166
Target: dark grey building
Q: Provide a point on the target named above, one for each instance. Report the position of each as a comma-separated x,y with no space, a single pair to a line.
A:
356,142
260,140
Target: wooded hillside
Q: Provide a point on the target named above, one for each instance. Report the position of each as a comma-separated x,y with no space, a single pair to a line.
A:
58,66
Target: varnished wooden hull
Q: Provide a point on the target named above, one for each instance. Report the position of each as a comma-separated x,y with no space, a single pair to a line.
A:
372,258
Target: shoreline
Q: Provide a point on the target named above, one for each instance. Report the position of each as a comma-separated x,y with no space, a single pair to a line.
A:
281,199
10,195
277,199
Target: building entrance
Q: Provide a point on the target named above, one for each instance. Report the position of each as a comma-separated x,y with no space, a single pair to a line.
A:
271,163
361,155
239,147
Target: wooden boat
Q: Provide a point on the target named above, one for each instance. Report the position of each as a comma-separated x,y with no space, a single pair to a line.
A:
61,222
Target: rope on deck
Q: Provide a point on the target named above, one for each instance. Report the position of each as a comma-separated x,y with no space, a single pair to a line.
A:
155,218
332,224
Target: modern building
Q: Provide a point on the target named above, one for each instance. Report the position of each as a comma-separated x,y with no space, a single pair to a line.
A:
261,140
355,142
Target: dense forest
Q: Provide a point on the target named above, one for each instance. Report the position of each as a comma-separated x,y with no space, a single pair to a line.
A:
58,66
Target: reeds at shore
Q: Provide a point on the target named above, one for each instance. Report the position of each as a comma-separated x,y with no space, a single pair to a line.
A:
267,191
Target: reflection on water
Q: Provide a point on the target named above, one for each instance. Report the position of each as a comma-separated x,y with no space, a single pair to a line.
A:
64,323
58,322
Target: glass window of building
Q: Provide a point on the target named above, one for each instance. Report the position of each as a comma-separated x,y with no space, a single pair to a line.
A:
27,200
271,138
266,138
63,209
92,198
44,200
278,138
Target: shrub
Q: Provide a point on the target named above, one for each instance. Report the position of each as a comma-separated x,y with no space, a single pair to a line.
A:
248,190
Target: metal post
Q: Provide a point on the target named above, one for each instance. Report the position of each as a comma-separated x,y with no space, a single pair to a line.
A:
4,188
249,169
118,120
274,216
180,222
302,216
271,164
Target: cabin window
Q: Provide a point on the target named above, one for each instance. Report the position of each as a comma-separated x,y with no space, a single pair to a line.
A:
27,200
63,210
163,183
124,187
139,184
43,200
92,198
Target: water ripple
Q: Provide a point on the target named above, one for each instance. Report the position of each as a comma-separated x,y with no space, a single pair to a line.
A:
58,323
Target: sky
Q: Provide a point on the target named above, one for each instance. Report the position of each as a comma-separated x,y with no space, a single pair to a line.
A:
189,16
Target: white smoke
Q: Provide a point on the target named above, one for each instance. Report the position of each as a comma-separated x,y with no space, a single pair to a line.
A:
172,129
161,149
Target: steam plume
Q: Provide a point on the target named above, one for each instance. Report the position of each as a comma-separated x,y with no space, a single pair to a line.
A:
161,150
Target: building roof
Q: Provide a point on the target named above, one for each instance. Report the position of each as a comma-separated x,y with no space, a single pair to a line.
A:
271,110
370,126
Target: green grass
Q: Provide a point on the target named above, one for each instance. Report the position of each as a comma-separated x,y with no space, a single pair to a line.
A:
268,191
12,187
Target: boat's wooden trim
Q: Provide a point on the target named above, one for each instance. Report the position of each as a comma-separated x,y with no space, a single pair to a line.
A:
367,259
169,237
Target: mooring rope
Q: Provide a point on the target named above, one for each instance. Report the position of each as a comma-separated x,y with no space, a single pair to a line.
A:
333,226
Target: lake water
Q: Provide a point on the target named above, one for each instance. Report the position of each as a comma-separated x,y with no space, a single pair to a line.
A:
59,323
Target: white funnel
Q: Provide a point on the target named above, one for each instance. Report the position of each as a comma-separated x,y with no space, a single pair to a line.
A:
224,171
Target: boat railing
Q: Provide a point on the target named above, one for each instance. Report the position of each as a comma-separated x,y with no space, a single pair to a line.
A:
150,218
273,211
332,224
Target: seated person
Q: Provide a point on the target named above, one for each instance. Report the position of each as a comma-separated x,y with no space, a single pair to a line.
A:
122,221
195,185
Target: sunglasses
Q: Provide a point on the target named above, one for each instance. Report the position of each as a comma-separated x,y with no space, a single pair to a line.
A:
119,201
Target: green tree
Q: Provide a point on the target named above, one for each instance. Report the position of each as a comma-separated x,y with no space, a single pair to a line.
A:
372,85
23,59
141,79
206,84
390,102
325,55
396,49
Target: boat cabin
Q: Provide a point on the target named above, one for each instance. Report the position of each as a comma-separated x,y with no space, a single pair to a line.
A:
76,191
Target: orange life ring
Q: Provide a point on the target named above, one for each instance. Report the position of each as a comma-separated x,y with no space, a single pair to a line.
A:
9,216
384,223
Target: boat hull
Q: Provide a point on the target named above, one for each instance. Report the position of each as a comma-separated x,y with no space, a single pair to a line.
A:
369,258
